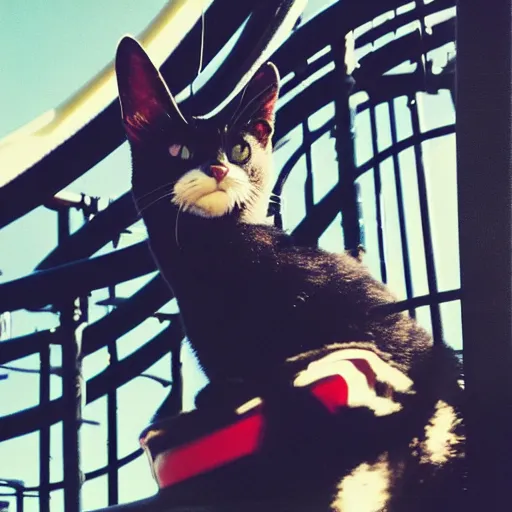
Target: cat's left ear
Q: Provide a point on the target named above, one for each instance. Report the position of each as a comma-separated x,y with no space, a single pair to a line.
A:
143,94
258,102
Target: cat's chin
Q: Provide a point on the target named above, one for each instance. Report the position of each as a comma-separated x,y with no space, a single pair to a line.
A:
212,205
219,204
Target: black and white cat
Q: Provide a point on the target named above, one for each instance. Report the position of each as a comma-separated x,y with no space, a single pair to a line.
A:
264,313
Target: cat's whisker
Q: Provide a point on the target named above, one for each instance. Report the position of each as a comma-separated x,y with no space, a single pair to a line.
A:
145,207
250,102
176,226
168,184
239,104
236,180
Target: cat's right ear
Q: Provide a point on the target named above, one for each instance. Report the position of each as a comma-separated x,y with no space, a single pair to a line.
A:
143,93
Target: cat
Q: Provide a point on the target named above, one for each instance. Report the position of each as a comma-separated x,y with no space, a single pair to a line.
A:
261,310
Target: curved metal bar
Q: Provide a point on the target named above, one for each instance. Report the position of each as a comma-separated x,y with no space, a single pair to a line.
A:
29,420
26,149
268,25
90,141
320,92
121,213
218,31
418,302
23,346
48,286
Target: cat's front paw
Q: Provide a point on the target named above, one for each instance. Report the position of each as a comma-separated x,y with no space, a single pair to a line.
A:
355,378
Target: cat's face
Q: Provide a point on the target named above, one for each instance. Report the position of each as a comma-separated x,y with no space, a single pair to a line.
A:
208,167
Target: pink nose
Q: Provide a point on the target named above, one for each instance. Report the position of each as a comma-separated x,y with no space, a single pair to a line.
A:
219,172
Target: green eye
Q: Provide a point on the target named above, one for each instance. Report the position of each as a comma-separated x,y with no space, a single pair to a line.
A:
185,153
181,151
240,153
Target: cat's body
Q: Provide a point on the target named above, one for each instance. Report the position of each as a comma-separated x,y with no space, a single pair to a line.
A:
258,308
251,299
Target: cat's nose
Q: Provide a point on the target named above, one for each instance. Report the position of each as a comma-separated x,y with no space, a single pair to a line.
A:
218,171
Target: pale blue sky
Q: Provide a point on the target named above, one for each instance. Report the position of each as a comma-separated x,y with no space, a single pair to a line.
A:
50,48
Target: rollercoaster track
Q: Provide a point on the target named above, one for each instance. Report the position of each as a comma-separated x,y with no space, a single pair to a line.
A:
121,213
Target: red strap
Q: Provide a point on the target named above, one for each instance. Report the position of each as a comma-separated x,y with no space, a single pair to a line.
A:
217,449
243,437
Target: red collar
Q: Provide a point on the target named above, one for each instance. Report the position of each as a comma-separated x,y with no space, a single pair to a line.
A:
243,437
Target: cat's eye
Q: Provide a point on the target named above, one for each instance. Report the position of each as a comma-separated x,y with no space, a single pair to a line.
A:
240,153
181,151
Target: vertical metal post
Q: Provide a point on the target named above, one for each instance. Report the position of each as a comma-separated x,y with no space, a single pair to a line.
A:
378,192
308,189
44,432
401,207
70,318
345,150
19,499
437,330
484,119
435,311
112,475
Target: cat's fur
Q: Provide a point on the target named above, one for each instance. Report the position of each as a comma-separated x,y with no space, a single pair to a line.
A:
258,307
